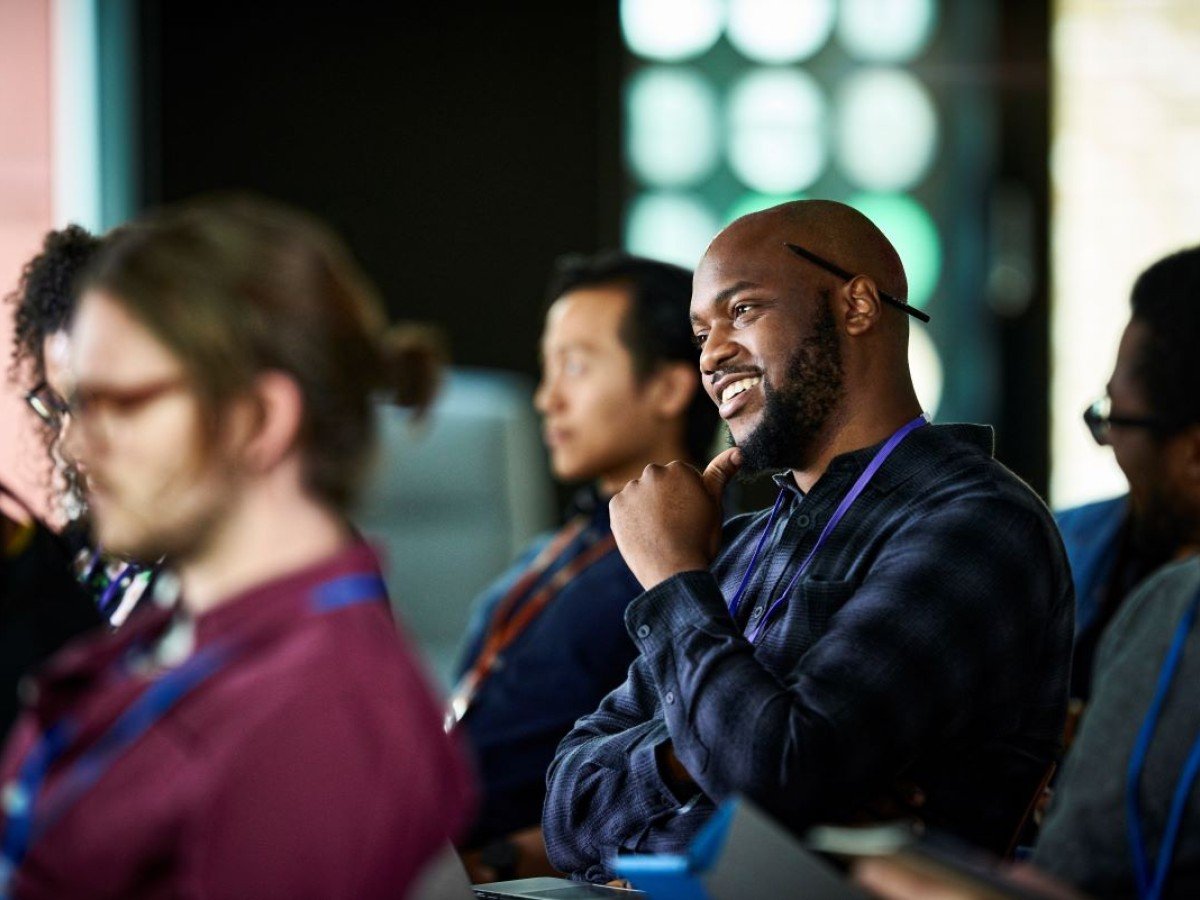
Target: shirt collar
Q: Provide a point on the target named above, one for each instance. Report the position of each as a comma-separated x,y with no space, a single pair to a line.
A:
282,601
903,464
275,605
589,501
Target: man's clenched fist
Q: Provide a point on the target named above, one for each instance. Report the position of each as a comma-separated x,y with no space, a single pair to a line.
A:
669,520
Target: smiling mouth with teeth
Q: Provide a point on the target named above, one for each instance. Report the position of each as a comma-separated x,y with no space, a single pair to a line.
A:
738,387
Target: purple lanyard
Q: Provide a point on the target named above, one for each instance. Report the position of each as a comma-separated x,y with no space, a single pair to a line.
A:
859,486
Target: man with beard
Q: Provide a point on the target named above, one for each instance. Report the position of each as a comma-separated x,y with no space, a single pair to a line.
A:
270,734
892,637
1150,401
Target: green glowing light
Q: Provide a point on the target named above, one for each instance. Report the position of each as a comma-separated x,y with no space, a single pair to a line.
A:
912,231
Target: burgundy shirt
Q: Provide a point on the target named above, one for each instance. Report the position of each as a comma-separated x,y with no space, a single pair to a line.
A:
310,763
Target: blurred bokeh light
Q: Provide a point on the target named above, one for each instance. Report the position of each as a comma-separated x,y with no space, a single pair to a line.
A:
779,31
671,30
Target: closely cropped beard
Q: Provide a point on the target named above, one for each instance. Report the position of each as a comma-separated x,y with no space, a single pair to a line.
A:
795,413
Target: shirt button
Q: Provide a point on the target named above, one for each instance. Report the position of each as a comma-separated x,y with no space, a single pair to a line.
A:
758,611
670,698
643,631
802,520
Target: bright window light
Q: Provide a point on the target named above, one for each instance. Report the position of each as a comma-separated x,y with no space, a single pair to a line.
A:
672,126
76,104
779,31
1125,190
777,130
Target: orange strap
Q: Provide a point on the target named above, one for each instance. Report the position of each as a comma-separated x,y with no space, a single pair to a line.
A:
506,626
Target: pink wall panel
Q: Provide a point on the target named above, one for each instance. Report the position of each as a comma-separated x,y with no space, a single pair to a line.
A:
25,209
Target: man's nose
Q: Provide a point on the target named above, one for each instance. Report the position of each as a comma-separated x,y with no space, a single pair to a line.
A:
717,351
546,397
70,443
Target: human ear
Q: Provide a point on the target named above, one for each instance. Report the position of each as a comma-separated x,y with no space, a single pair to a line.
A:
674,385
862,305
280,407
1188,442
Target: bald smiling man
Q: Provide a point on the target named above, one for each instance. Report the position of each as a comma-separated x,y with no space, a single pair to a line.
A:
891,638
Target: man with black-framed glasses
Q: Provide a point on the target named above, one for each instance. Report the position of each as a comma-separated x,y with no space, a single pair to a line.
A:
1149,406
1123,820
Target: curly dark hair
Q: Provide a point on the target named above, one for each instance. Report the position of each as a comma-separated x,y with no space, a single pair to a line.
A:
45,296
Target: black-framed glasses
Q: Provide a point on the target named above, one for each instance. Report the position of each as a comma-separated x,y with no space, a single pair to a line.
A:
841,273
1100,421
48,406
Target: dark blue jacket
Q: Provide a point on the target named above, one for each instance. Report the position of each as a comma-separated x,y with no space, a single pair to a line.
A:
928,644
1090,534
559,668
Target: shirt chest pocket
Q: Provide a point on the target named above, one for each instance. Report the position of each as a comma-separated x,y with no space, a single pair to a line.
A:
806,618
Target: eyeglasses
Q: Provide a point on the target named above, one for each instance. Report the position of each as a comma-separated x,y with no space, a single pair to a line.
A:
841,273
98,408
48,406
1100,421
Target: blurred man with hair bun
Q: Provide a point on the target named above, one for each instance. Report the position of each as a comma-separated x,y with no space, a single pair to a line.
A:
270,734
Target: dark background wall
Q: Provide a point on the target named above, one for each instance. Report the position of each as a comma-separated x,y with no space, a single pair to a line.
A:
458,148
1021,79
461,148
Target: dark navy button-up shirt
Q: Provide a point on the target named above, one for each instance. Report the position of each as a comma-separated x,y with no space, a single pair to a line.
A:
559,668
929,644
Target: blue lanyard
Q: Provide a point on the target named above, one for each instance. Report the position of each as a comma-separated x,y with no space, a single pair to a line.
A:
115,588
853,494
1148,886
21,797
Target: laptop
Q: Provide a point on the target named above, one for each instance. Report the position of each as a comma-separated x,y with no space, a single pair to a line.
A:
553,889
740,852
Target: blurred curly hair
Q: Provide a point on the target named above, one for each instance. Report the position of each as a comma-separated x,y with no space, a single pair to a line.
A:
45,297
43,302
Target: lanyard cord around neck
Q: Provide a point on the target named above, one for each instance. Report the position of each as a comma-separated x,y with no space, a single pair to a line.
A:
110,599
1150,886
847,501
509,621
25,818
